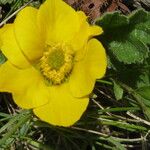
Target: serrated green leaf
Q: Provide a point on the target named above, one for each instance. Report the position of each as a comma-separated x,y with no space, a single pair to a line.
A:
129,50
141,21
138,17
112,20
126,38
142,34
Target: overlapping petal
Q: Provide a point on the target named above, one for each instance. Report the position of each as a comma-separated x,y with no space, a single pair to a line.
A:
84,34
86,71
11,49
28,37
2,30
63,109
27,85
58,20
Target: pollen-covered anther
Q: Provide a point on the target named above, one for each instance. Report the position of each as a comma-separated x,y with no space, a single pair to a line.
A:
56,63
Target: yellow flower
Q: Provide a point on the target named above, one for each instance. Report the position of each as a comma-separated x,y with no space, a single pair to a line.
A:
53,61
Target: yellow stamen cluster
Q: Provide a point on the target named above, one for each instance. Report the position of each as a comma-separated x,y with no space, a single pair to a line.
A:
56,63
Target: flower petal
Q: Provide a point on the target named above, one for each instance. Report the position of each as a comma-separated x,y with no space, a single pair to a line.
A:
96,59
26,85
58,20
63,109
81,82
85,72
27,34
2,30
11,49
81,38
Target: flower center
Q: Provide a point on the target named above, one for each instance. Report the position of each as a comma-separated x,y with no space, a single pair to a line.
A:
56,63
56,59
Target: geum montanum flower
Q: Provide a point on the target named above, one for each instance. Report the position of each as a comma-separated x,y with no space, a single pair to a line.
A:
52,61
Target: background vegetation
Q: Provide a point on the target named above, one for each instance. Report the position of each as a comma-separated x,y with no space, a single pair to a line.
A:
118,116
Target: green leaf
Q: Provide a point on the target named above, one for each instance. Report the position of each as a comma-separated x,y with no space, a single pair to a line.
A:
144,103
123,125
140,20
118,91
144,92
3,2
138,98
118,145
143,80
21,119
129,50
112,20
126,37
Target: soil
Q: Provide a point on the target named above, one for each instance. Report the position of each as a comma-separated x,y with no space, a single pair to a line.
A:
96,8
